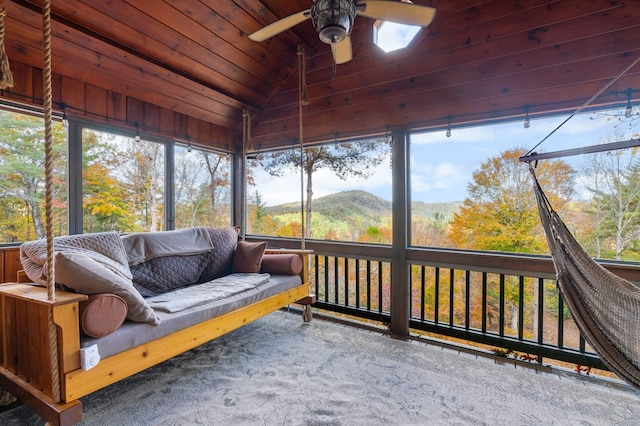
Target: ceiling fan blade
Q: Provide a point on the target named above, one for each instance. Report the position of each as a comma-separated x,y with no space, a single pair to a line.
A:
280,26
342,51
401,13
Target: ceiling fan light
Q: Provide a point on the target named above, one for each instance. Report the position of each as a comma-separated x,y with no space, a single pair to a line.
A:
333,19
332,34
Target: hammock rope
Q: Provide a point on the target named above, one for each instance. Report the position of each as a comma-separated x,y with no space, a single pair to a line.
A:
587,103
605,307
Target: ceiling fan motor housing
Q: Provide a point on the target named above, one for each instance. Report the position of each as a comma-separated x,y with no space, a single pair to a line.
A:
333,19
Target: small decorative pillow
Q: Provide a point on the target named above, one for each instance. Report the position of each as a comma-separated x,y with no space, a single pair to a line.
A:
281,264
248,257
102,314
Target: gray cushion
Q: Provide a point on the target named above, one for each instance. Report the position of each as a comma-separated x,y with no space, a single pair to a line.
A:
225,241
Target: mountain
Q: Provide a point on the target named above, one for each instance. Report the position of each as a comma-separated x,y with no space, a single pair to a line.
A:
347,204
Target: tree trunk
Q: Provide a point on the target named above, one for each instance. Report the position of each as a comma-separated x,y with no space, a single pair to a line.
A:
153,188
37,219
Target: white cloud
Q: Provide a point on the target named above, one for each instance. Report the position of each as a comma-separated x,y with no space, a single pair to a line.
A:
430,177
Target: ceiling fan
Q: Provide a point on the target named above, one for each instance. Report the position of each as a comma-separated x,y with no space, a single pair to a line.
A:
333,19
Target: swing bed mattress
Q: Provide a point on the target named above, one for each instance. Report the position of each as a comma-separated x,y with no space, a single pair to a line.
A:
132,334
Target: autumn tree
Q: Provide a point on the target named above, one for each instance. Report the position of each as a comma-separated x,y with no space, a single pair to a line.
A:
500,212
189,197
347,160
217,186
142,173
22,174
105,197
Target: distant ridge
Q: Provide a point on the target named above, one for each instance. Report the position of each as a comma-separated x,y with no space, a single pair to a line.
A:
342,205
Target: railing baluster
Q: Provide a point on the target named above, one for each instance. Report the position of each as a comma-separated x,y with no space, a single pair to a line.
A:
436,301
423,294
368,285
336,280
467,302
346,281
502,303
380,286
540,324
521,308
560,320
484,302
357,283
452,293
326,278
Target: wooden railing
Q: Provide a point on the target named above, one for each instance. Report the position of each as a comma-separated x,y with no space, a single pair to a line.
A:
509,303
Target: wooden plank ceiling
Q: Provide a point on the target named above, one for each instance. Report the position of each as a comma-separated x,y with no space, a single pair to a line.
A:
479,60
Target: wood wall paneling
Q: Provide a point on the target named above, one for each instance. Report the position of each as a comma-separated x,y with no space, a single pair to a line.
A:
9,263
87,101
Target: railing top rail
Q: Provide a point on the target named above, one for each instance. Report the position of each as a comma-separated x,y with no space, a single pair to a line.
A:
531,265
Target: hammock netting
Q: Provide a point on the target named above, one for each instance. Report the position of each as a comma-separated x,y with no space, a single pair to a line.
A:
605,307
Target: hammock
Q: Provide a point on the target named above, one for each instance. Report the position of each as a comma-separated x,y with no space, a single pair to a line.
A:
605,307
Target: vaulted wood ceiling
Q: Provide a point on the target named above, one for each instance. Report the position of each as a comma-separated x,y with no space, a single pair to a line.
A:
479,60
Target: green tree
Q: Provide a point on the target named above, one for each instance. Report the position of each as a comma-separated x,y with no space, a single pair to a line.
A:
348,159
22,179
615,189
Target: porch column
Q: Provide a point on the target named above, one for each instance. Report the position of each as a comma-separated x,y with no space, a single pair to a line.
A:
74,177
238,213
399,276
169,186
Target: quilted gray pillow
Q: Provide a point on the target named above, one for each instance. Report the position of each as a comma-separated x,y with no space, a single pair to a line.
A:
225,241
163,274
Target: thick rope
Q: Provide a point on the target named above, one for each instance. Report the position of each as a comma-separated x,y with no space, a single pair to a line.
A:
6,76
302,100
48,148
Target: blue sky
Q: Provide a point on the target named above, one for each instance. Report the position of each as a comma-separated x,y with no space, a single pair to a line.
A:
441,167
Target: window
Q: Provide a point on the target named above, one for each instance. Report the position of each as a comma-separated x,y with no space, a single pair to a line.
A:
22,177
346,192
123,183
470,191
391,36
202,188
